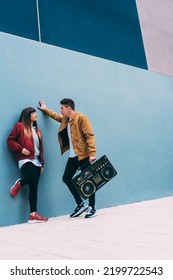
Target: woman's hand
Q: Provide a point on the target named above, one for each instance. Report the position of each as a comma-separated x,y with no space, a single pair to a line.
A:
42,169
25,152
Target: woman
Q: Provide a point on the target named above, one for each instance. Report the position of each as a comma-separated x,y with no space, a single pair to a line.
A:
25,141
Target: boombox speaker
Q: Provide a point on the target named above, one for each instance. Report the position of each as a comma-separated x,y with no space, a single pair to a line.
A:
94,177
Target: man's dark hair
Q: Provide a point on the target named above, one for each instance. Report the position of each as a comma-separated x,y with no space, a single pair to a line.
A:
68,102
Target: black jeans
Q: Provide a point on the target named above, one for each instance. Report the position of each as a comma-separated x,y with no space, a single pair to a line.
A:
71,167
31,177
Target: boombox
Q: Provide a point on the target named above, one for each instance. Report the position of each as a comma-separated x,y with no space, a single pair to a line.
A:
94,177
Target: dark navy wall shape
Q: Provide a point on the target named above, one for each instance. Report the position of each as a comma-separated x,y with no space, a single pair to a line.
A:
19,17
108,29
105,28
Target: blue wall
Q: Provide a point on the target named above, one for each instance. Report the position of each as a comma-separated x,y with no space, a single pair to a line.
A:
102,28
131,113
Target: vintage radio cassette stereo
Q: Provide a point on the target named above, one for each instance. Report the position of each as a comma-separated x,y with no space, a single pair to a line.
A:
94,177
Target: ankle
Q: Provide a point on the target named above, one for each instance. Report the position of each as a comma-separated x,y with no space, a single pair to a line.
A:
32,213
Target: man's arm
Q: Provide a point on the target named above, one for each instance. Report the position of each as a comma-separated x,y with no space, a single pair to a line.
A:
52,114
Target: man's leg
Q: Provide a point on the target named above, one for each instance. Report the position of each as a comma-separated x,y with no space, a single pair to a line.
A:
70,169
91,210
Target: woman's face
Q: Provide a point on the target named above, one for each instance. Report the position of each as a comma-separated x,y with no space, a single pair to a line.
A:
33,117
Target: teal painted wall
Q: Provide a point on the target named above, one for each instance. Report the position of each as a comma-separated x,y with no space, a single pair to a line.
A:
131,113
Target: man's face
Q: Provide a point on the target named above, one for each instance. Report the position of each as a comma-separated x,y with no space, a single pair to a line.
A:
65,110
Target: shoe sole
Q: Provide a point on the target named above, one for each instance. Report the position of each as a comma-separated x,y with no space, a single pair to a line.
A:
13,187
80,212
36,221
87,217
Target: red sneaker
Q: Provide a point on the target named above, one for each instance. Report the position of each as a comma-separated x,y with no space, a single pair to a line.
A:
15,188
36,218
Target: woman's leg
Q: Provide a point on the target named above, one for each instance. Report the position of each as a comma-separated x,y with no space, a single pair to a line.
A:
32,175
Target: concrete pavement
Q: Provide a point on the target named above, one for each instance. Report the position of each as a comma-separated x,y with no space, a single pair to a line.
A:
142,230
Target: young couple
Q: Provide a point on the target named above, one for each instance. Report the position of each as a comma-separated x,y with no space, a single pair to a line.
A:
75,134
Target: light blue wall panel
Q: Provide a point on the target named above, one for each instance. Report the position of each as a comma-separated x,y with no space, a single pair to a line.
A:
131,113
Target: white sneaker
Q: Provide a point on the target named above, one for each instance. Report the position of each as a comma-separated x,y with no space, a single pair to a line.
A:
79,210
91,212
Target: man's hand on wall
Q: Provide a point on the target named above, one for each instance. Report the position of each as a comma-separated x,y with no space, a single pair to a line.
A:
42,105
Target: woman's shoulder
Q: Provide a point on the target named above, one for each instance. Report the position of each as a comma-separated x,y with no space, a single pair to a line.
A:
19,125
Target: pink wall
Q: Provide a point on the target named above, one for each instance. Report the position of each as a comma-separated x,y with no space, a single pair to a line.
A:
156,19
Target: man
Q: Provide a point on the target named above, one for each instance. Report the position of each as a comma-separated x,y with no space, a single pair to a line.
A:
76,135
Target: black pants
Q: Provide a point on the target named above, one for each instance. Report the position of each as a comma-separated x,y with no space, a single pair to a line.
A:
71,167
31,177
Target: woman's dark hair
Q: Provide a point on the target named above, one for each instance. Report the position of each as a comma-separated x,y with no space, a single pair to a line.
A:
25,118
68,102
